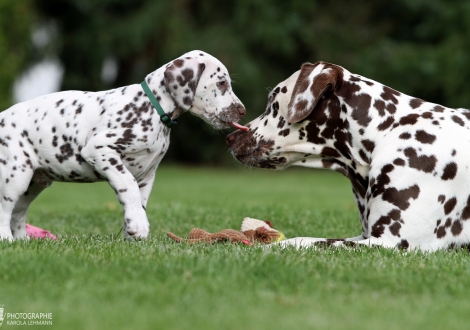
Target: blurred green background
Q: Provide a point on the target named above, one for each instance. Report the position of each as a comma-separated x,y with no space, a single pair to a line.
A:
418,47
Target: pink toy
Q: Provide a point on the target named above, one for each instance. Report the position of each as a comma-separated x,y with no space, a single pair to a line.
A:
36,232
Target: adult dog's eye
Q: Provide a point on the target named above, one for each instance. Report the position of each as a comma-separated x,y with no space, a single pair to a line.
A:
222,84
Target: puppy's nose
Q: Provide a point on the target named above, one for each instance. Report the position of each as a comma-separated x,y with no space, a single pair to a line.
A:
231,138
241,110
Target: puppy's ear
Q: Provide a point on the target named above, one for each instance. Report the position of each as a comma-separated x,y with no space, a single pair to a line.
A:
314,80
181,80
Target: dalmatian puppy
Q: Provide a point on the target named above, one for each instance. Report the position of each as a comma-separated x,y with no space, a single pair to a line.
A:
115,136
407,159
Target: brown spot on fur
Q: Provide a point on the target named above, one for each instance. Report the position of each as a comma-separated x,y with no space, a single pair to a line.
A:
400,198
438,108
343,139
364,156
399,162
178,63
422,163
186,76
391,108
390,94
380,106
466,210
441,232
361,104
411,119
379,226
403,245
448,222
425,137
313,133
386,124
450,170
456,228
415,103
395,229
458,120
450,205
383,179
282,122
427,115
369,145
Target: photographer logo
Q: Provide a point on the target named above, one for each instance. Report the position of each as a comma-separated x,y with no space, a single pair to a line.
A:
24,318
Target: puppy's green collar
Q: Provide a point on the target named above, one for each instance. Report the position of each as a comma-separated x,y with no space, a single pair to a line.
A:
163,115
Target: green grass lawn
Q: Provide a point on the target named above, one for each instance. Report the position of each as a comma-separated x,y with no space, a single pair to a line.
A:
92,279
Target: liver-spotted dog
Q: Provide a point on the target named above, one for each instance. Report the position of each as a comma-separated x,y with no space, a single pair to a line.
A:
407,159
114,135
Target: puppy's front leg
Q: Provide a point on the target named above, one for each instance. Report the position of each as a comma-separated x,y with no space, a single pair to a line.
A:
107,162
145,186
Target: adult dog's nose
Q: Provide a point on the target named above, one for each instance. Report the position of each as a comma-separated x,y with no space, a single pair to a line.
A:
231,138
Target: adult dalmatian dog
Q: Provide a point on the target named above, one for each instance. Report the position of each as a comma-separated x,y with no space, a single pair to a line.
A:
113,135
407,159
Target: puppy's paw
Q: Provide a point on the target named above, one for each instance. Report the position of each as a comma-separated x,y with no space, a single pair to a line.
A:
134,230
5,234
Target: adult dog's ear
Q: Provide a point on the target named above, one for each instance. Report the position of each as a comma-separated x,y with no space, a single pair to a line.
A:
313,81
181,79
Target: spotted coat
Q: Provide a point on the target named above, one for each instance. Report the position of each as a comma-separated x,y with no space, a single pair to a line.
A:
407,159
114,135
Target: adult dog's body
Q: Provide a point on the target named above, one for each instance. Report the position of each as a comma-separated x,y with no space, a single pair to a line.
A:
113,135
407,159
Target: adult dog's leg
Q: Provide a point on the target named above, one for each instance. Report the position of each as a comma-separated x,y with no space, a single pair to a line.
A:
307,242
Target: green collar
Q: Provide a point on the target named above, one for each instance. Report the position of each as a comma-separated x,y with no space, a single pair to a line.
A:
163,116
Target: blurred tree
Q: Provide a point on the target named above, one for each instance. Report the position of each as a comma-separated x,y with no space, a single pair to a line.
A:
420,47
425,50
16,19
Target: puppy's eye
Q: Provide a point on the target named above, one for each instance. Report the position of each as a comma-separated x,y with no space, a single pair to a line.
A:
222,84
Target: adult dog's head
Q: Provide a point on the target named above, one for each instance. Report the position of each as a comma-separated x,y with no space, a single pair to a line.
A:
200,83
303,122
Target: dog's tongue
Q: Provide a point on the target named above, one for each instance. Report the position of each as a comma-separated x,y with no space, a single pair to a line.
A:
238,126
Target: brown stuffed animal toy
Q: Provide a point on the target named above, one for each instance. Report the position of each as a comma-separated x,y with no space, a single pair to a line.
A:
252,230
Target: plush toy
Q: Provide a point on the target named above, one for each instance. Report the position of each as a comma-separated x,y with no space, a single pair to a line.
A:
252,230
36,232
